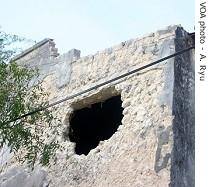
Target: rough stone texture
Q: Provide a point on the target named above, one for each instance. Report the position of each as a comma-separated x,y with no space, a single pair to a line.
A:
18,176
154,146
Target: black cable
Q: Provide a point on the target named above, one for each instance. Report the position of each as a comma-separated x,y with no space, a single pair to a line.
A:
102,84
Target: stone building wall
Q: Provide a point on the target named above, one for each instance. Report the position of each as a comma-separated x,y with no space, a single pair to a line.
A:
154,145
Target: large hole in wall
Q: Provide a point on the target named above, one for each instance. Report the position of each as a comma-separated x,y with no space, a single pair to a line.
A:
95,123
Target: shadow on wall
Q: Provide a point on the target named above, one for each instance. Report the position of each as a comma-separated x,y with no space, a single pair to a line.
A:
183,155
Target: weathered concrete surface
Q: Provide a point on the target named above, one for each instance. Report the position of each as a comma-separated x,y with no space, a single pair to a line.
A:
145,149
20,177
183,159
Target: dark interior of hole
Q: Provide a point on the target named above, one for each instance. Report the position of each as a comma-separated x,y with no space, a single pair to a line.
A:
99,122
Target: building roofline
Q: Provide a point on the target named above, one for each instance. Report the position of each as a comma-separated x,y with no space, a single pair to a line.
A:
27,51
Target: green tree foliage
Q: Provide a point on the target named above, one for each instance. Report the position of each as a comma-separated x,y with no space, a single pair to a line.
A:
25,137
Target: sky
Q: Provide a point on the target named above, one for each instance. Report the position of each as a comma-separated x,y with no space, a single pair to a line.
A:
92,25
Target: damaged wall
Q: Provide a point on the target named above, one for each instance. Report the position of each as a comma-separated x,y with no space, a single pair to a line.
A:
147,147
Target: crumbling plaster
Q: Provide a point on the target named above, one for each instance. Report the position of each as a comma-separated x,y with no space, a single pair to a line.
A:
141,151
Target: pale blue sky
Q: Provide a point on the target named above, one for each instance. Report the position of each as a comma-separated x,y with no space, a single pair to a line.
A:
92,25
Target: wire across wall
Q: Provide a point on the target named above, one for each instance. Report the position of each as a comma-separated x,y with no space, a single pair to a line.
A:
39,109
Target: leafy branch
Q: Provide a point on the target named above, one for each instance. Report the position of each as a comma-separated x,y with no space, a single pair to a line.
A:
26,138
